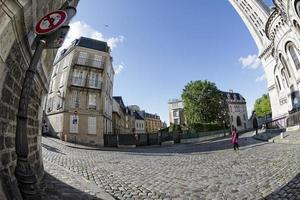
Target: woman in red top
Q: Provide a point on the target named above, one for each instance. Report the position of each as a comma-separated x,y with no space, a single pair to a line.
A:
234,139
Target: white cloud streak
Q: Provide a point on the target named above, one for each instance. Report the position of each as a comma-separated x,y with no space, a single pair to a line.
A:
118,68
80,28
250,62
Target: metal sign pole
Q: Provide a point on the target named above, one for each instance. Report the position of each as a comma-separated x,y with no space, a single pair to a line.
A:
24,173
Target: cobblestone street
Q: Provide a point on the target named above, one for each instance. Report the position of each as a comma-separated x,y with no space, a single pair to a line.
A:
185,171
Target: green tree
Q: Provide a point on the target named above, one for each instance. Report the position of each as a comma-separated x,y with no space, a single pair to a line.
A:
262,106
203,103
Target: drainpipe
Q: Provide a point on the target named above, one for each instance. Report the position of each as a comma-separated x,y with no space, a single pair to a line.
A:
24,173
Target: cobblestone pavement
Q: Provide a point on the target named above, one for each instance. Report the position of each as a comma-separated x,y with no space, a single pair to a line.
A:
58,183
186,171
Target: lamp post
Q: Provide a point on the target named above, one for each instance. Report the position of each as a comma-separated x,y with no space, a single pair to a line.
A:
51,31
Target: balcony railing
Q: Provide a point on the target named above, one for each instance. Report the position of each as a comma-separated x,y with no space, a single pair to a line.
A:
77,81
90,62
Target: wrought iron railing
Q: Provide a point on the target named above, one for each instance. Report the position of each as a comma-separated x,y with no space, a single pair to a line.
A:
279,123
90,62
293,119
79,81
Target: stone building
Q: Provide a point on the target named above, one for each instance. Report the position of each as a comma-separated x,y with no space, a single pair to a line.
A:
79,102
276,32
118,115
176,112
152,122
237,110
139,122
17,22
129,121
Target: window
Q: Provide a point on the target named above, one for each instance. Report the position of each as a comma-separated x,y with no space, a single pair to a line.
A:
284,64
285,78
294,55
74,121
97,61
176,121
92,101
94,80
278,83
92,125
75,99
238,121
231,118
82,58
175,113
78,77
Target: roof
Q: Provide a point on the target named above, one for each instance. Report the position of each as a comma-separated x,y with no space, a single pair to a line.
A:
93,44
233,96
120,102
84,42
138,116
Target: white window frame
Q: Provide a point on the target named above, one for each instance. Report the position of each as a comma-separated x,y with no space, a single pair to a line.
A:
92,101
82,58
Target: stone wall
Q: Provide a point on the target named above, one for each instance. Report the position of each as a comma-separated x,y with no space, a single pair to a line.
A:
17,19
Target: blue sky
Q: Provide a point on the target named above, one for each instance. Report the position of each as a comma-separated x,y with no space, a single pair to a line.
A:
159,46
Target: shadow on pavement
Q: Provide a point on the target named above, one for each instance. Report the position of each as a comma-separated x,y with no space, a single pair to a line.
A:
54,189
218,145
289,191
53,149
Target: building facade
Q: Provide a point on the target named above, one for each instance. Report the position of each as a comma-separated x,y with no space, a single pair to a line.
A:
17,22
276,32
176,112
129,121
139,122
152,122
237,110
79,103
118,116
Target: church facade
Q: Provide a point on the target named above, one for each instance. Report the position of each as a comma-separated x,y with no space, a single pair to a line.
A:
276,32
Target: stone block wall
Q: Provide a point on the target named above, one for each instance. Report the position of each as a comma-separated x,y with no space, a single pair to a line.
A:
17,20
9,103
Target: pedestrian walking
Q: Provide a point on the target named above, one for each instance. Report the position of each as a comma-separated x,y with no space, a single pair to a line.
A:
234,139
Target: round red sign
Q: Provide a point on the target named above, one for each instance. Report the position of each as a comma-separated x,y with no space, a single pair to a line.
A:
51,22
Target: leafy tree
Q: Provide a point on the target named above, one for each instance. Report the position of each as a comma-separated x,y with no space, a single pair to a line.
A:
262,106
203,103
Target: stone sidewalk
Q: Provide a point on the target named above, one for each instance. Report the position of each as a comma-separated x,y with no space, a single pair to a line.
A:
60,184
290,137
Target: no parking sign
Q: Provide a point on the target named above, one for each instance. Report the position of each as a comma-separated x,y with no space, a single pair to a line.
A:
51,22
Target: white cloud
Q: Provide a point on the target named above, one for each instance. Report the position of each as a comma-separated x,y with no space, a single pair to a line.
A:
250,62
119,68
80,28
261,78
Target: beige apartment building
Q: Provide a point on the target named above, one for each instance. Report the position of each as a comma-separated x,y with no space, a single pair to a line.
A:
79,103
152,122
